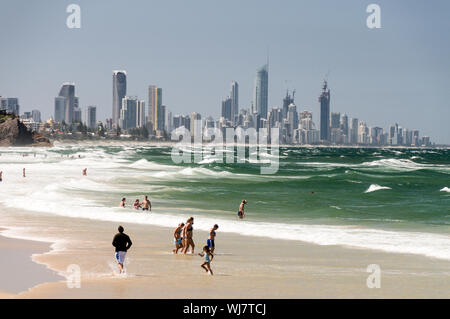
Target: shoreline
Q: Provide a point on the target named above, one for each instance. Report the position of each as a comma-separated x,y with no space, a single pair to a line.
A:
245,267
20,272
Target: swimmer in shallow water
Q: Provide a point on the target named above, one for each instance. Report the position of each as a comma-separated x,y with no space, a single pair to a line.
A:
147,205
137,204
241,213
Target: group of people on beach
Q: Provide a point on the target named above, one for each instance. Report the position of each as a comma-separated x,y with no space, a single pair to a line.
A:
146,204
182,238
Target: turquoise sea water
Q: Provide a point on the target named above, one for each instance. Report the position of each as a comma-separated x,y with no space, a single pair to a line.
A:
388,199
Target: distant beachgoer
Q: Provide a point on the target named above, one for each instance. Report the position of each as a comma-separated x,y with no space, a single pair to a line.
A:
241,213
187,235
122,243
147,205
136,204
208,258
177,240
23,172
212,236
1,176
85,172
122,202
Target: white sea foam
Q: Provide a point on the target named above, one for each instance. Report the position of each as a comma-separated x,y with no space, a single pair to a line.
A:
50,185
375,187
445,189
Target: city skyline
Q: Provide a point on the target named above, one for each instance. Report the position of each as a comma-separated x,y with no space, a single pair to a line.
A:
397,73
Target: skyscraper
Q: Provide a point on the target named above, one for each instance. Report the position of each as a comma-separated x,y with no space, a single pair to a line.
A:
234,95
162,118
128,113
261,91
288,100
140,116
335,120
196,124
227,106
68,92
119,92
60,109
154,107
324,101
354,130
91,116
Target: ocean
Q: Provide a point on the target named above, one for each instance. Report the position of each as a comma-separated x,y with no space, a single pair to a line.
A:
394,200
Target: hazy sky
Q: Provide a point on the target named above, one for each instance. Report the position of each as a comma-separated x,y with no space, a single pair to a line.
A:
194,49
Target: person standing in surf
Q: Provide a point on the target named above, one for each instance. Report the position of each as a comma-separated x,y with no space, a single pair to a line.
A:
212,236
187,235
208,258
147,205
122,202
241,213
85,172
1,176
23,172
122,243
178,241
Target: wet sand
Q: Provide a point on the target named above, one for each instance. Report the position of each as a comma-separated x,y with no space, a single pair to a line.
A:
18,271
244,266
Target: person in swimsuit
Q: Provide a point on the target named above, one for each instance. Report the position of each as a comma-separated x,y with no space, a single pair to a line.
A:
23,172
241,213
187,235
212,236
136,204
208,258
1,176
85,172
122,203
147,205
177,240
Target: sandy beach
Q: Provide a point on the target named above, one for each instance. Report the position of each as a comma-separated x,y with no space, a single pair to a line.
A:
244,266
19,272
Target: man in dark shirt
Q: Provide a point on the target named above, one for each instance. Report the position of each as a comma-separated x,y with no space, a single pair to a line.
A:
122,243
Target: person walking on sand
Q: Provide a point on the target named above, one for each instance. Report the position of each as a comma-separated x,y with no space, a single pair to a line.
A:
85,172
122,202
212,236
147,205
177,240
23,172
208,258
187,236
122,243
241,213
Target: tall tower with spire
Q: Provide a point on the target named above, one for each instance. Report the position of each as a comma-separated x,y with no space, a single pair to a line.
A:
324,100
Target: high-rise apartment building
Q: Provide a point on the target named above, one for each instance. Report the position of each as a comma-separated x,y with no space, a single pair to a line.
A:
261,91
119,92
324,101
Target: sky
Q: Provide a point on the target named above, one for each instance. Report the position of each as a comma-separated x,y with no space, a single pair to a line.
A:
193,49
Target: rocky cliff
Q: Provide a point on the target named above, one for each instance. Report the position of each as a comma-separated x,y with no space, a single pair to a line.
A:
15,133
